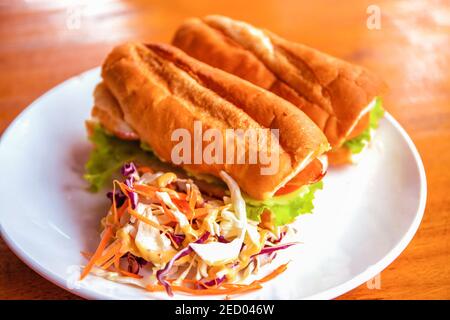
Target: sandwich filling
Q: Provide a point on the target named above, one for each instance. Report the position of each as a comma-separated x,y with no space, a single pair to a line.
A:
293,199
352,148
357,144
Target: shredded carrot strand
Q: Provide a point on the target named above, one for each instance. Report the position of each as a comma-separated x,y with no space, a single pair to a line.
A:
167,211
148,190
145,220
123,187
192,199
129,274
229,290
110,252
155,288
145,190
114,208
144,169
183,206
274,273
102,245
108,264
200,212
190,281
116,262
173,241
203,292
122,209
164,220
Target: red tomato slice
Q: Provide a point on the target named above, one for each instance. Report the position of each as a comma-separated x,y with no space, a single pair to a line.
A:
288,188
313,172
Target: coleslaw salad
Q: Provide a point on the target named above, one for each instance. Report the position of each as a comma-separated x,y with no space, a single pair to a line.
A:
161,233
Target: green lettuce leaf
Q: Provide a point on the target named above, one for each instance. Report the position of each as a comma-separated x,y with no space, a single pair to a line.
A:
357,144
108,155
284,208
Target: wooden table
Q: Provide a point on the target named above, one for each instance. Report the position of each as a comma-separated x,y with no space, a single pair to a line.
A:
42,44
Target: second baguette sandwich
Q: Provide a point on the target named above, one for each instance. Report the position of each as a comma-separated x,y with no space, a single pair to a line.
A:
341,98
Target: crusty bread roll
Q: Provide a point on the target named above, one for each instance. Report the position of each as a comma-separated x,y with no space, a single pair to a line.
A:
159,89
333,93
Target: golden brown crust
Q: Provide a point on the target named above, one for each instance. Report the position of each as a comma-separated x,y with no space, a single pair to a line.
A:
159,89
223,52
332,92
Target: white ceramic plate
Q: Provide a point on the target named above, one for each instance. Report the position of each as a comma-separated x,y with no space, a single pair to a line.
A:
364,218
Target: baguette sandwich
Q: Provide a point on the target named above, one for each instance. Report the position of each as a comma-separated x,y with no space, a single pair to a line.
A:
341,98
195,227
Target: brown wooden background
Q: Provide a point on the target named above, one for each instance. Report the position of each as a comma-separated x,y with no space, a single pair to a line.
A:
44,42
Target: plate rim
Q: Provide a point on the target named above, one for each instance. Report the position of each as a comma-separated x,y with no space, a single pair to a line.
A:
330,293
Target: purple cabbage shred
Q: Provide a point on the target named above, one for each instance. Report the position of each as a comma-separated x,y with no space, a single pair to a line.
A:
214,282
178,238
160,274
119,196
128,169
267,250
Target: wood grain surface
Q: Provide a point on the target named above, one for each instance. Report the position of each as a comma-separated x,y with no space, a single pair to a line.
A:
44,42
